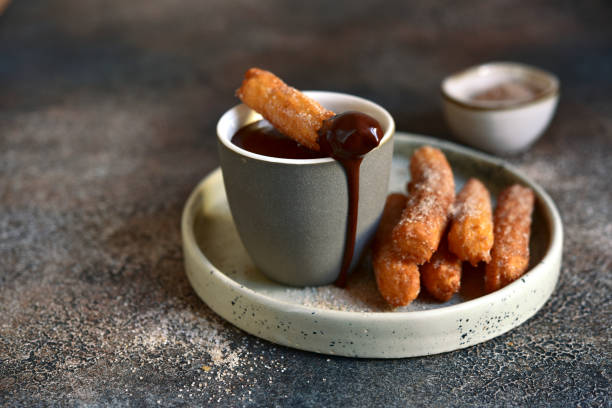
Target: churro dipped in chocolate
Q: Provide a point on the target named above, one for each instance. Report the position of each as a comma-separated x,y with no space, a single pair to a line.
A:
471,233
397,280
441,276
287,109
431,194
510,253
346,137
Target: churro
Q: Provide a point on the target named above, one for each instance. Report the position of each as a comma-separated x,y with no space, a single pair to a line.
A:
431,195
441,276
510,253
471,233
287,109
397,280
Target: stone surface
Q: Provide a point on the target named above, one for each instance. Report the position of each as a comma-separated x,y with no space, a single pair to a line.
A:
107,121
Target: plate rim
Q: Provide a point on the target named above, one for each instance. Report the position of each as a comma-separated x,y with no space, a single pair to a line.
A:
553,250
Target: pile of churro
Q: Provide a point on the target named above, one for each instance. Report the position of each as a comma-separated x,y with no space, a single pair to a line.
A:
424,237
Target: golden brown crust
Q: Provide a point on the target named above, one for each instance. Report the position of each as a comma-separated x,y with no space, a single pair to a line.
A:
394,205
471,233
397,280
441,276
510,253
431,195
286,108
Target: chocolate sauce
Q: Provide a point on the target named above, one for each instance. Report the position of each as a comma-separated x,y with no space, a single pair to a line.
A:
262,138
347,137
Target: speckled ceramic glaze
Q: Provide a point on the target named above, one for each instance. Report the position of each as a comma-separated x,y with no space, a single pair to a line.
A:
224,276
291,214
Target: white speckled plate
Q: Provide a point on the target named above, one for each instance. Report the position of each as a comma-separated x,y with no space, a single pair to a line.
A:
355,321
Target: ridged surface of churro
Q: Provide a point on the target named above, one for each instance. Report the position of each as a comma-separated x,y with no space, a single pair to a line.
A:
441,276
510,253
287,109
397,280
471,233
431,194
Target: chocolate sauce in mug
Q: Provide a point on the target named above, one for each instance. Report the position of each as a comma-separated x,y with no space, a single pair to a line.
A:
262,138
346,137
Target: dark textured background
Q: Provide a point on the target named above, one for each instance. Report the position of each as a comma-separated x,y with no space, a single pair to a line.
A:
107,117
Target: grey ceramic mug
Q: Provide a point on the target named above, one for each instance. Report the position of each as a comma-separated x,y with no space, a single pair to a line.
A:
291,214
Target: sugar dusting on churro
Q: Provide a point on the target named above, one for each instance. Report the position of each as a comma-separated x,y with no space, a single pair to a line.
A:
510,254
441,276
431,195
397,280
290,111
471,233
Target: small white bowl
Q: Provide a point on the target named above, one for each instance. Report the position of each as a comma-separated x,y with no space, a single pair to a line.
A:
503,126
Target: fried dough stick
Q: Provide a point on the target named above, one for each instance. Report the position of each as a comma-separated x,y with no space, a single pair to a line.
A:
441,276
286,108
471,233
510,254
431,194
397,280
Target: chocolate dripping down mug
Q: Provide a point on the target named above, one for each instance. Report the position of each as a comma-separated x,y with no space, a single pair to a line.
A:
291,214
